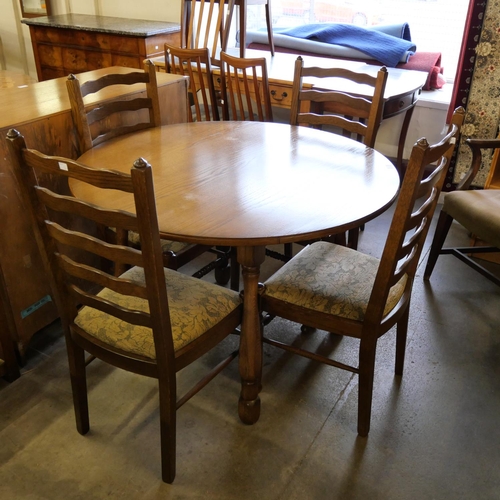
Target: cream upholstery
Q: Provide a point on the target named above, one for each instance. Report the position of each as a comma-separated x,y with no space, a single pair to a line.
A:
477,210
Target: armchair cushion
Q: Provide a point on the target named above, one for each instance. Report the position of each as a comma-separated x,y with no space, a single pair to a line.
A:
478,211
195,306
332,279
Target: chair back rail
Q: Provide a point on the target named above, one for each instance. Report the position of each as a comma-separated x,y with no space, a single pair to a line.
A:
356,116
195,63
245,89
110,119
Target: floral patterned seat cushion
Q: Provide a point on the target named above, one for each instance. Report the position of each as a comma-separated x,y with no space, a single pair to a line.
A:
331,279
195,306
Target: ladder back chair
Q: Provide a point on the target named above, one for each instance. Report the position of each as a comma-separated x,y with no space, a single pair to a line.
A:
141,321
206,24
111,118
343,291
245,89
478,210
356,117
195,63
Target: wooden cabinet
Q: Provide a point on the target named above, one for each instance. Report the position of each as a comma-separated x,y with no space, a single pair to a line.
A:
74,43
41,112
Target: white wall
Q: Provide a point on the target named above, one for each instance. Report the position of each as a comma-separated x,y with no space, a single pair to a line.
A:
427,121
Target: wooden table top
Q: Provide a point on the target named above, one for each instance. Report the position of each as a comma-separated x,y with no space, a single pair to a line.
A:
249,183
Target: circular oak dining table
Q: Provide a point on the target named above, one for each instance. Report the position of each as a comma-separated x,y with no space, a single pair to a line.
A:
248,185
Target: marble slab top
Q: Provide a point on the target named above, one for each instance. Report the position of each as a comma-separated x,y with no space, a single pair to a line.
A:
105,24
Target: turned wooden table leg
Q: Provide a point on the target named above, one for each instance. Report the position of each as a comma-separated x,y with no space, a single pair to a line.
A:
250,259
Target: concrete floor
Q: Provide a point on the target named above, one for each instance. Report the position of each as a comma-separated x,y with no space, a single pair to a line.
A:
434,433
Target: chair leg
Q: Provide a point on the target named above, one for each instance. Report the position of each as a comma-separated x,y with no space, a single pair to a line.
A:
401,334
367,350
352,238
442,228
76,361
269,22
167,397
235,270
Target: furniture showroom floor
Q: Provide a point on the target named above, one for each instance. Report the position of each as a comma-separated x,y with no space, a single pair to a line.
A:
434,433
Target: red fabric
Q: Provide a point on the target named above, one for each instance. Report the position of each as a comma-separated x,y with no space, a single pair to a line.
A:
430,62
465,68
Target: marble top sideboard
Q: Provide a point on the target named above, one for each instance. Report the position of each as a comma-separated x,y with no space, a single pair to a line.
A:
74,43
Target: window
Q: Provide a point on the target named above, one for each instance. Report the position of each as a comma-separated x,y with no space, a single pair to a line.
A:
435,25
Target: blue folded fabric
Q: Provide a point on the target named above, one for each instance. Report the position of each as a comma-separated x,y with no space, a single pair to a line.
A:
383,47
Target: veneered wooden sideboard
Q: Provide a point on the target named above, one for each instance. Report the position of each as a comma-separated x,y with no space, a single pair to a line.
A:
41,112
73,43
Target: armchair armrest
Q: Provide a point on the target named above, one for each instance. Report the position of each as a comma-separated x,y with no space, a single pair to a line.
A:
476,146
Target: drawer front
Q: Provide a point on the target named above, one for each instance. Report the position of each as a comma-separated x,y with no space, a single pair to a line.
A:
400,104
155,44
281,95
77,60
49,55
88,39
127,61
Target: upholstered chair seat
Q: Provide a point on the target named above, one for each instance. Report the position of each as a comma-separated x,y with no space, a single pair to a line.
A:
195,306
478,209
331,279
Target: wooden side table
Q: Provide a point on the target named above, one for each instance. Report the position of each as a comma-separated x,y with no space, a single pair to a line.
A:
74,43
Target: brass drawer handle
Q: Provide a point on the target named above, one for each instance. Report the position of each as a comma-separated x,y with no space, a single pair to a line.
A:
275,96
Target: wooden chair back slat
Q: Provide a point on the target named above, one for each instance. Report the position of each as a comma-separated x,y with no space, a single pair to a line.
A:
357,117
245,89
122,254
206,24
90,274
133,317
195,63
118,117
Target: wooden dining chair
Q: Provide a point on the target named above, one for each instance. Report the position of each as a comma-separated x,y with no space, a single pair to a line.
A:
206,24
478,210
345,292
115,117
195,63
245,89
354,116
111,118
150,320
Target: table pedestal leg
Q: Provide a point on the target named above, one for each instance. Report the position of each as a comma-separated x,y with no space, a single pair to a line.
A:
250,259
